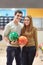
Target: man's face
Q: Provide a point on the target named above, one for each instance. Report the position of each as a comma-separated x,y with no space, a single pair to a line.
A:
18,17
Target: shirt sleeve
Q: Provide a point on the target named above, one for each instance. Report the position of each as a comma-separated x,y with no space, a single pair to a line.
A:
6,30
35,38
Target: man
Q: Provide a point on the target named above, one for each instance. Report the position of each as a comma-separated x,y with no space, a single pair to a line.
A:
13,49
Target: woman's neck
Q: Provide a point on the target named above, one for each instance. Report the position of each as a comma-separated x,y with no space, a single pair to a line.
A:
27,28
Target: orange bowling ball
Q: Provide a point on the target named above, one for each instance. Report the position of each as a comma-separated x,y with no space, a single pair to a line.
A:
22,40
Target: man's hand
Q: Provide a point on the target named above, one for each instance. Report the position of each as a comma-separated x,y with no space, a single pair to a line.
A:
14,42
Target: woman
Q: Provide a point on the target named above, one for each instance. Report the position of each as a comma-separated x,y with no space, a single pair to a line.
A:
31,48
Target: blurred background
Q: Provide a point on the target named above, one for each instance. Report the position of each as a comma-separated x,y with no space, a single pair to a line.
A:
21,3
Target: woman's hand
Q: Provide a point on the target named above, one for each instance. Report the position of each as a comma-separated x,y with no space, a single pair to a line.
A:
21,46
36,53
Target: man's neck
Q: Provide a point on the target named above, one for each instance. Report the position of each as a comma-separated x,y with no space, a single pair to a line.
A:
15,22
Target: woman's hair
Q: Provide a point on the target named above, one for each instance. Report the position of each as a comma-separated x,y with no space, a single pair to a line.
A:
30,26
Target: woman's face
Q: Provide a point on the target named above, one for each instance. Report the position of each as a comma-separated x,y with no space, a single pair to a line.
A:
26,21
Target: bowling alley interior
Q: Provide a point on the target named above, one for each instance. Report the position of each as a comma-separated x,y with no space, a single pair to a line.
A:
6,15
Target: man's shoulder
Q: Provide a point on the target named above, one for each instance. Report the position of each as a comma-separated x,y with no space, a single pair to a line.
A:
8,24
21,24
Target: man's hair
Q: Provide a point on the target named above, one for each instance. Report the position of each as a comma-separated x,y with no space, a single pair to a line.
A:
18,11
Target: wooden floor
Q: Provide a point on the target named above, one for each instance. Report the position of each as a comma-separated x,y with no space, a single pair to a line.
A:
37,60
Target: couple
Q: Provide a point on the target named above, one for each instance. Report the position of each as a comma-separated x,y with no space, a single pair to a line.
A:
29,51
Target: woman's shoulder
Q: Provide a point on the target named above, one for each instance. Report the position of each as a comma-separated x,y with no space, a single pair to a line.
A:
34,28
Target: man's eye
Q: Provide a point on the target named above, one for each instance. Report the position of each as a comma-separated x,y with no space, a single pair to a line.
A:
20,16
17,15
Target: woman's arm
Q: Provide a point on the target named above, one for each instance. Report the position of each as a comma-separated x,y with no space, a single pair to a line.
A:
36,41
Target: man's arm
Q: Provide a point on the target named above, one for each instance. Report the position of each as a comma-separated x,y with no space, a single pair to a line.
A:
6,39
6,33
